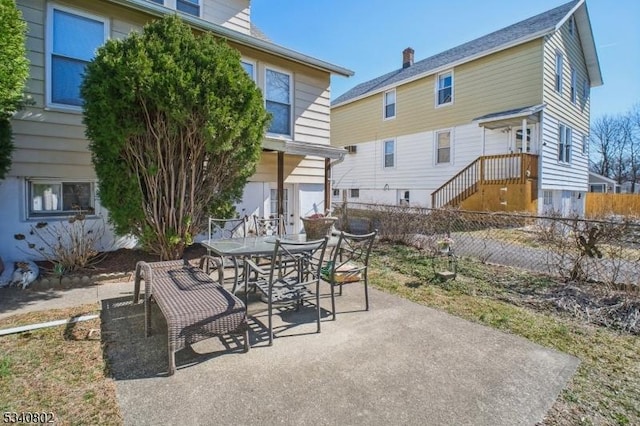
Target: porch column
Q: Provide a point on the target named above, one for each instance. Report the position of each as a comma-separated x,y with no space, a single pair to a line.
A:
327,184
280,201
525,144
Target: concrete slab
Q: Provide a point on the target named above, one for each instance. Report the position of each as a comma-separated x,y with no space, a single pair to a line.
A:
400,363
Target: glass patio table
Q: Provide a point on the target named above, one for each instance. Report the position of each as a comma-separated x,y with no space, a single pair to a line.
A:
261,246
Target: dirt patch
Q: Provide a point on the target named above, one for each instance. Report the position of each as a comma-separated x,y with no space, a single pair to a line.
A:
114,266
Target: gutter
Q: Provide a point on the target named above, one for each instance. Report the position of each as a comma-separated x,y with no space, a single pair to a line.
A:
235,36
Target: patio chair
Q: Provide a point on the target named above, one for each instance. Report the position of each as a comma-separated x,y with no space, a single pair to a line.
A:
349,264
300,281
227,228
269,226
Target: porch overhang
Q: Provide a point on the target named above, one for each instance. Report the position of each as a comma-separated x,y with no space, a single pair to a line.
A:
510,118
303,148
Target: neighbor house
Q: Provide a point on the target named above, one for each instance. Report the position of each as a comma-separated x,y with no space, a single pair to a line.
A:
52,173
499,123
603,184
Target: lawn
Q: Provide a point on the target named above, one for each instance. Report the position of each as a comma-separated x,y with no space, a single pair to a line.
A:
59,371
62,370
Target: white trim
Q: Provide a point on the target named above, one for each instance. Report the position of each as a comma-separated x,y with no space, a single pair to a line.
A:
561,135
54,214
435,147
568,15
200,7
384,153
573,88
450,65
253,63
291,100
48,50
558,71
437,88
155,9
384,105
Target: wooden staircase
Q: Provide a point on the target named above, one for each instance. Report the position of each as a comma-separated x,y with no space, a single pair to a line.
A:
504,169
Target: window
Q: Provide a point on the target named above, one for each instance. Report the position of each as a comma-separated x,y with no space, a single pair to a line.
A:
48,198
519,141
564,144
585,144
574,89
443,147
547,198
336,192
158,1
389,154
389,104
585,89
351,149
191,7
559,72
72,41
598,187
354,193
572,25
278,101
445,88
249,68
404,197
274,201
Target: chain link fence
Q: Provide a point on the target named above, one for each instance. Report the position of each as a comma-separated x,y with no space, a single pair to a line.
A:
575,249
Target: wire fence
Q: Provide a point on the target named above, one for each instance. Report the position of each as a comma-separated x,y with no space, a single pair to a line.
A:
573,248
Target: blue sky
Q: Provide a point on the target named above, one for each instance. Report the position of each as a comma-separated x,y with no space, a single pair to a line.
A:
368,36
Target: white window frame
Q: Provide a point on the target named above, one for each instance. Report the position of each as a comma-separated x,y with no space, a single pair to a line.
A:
384,153
291,100
49,50
574,84
254,64
404,197
199,4
601,185
558,73
336,192
354,193
29,199
565,136
585,89
572,25
547,198
385,104
585,145
437,88
436,148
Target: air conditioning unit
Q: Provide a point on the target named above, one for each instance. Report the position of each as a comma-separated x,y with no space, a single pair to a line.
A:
351,149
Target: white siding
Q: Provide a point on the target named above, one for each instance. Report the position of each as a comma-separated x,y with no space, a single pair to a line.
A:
415,168
233,14
573,176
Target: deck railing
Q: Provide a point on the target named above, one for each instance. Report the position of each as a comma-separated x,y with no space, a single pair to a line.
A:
501,169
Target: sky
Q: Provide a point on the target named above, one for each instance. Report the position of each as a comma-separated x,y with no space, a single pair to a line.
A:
368,36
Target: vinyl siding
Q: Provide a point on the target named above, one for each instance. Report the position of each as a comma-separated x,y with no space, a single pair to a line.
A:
51,143
234,14
573,176
504,80
415,169
559,104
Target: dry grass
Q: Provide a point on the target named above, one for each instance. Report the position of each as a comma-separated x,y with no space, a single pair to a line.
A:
606,387
58,369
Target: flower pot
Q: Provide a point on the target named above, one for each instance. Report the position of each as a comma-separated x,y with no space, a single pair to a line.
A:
318,228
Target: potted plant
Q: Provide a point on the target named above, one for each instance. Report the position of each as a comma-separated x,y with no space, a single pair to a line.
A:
444,245
317,225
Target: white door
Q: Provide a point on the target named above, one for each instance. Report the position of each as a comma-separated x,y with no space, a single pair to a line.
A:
530,145
287,208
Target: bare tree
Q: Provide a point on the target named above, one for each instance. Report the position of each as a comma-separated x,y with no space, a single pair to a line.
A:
605,133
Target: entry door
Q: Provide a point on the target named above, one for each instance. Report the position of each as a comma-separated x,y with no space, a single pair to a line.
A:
288,203
531,143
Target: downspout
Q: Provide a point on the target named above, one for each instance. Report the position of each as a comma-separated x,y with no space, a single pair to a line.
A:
327,180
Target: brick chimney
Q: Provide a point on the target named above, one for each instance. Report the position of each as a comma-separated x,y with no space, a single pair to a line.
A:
407,57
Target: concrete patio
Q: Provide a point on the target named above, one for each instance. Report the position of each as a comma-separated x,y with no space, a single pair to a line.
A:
400,363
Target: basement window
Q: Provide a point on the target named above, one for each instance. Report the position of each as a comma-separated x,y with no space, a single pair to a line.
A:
60,198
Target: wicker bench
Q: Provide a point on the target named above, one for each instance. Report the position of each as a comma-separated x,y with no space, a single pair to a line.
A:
194,305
